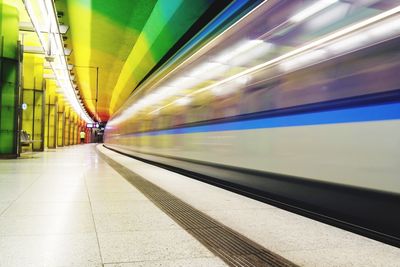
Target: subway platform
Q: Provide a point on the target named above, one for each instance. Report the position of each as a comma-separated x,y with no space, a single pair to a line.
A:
88,206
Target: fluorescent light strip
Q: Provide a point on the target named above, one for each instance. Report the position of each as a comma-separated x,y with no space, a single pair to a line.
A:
61,74
34,21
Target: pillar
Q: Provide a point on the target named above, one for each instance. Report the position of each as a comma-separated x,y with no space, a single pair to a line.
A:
33,117
60,121
51,114
67,126
88,134
73,129
9,81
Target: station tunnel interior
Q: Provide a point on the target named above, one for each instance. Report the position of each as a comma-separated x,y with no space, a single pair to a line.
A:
293,102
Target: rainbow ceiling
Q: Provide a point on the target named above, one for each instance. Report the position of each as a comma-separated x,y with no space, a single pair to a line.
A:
125,39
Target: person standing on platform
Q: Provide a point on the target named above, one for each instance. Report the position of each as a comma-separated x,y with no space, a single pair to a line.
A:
82,135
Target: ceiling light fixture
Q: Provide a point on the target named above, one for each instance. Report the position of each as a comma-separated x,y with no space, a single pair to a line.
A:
44,19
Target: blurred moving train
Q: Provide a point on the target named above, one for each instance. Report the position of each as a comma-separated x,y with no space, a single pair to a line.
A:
296,103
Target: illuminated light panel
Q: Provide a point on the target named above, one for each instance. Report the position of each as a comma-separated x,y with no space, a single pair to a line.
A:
183,101
311,10
304,59
231,53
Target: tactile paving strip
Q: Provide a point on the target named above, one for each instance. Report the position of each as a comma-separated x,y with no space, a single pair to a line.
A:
233,248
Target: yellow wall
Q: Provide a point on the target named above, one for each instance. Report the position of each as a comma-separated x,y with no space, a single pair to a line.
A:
33,96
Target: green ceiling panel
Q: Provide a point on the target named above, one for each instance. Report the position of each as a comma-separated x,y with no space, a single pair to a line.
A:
125,39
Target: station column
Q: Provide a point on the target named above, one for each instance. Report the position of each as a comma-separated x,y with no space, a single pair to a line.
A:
9,80
51,114
67,125
34,97
76,129
60,122
72,127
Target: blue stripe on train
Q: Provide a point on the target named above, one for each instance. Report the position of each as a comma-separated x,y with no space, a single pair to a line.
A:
359,114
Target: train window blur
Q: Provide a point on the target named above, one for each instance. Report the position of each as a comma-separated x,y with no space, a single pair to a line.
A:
279,56
351,75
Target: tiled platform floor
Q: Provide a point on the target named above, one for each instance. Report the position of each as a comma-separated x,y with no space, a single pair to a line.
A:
69,208
301,240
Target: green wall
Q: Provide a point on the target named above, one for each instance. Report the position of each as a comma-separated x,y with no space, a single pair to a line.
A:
9,93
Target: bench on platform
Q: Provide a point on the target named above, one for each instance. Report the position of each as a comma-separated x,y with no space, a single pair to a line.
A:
26,139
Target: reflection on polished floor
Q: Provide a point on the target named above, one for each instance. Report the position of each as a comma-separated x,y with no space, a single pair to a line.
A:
70,208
